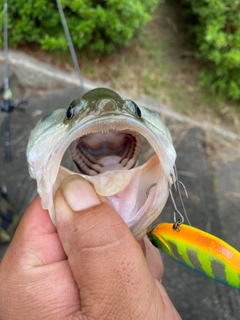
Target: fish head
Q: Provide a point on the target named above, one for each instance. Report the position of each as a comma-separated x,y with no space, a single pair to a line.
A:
104,133
97,103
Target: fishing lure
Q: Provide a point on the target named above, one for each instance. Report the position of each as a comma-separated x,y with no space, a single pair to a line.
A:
199,251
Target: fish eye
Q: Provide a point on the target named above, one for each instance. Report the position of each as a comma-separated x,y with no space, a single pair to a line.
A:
74,107
70,112
138,111
133,107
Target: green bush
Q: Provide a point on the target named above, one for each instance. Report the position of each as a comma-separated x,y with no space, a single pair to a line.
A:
95,25
216,27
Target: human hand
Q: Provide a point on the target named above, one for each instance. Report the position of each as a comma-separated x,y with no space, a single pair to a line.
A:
90,268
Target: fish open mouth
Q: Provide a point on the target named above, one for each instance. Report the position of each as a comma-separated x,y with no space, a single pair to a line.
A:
100,152
109,153
121,165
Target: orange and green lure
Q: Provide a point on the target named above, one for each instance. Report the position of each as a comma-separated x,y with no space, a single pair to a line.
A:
199,251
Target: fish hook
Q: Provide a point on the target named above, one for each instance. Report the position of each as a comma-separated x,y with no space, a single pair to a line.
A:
149,188
176,183
177,222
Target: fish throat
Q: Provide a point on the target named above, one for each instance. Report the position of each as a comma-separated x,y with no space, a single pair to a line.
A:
101,152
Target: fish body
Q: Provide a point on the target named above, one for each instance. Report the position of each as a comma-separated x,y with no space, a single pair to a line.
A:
199,251
104,132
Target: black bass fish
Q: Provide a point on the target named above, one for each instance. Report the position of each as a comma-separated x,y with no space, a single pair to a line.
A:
104,134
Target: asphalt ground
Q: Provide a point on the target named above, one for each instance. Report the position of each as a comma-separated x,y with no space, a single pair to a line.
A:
208,164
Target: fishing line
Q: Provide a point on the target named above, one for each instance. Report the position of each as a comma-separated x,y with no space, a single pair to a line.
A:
70,43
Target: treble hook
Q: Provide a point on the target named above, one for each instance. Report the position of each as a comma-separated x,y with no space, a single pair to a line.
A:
175,183
183,186
177,222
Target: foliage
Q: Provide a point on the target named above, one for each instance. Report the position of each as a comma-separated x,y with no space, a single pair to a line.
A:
95,25
216,27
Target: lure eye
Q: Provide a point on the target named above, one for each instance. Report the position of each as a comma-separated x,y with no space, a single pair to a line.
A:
70,113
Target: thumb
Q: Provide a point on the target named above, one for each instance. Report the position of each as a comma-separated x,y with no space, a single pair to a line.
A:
107,263
83,217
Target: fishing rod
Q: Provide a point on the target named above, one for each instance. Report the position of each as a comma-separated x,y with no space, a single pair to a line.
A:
7,104
7,95
70,43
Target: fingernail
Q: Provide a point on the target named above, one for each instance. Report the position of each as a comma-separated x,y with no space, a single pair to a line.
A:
79,193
